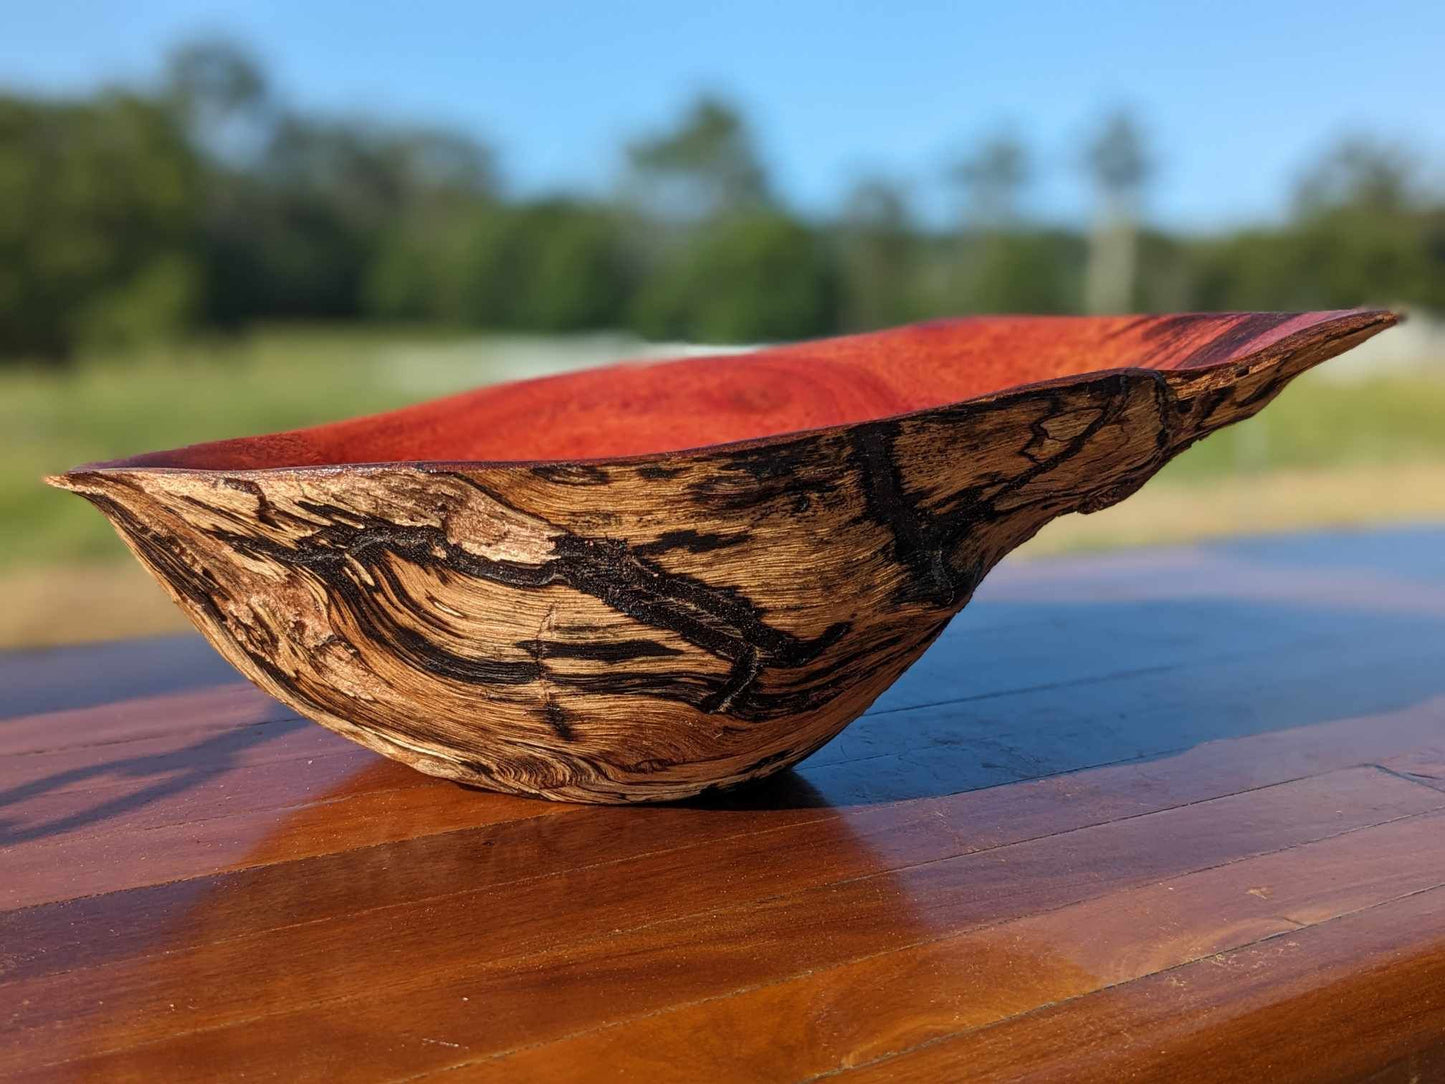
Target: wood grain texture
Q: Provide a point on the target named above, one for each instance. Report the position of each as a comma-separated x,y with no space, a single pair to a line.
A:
1206,844
1360,996
539,589
894,1002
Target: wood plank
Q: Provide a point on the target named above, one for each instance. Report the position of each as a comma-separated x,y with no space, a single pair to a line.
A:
1048,730
141,922
828,1020
1391,569
953,766
319,886
95,769
1333,1002
1413,1068
760,922
1143,609
982,743
361,811
1021,615
875,903
1033,732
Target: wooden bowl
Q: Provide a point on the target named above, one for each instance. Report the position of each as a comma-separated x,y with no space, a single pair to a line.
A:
641,582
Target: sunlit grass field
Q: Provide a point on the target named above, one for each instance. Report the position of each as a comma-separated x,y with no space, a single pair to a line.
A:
1325,453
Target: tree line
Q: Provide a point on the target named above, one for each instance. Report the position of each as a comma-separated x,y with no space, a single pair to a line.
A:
205,202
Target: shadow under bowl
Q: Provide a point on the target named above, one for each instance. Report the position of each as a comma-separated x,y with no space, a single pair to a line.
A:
642,582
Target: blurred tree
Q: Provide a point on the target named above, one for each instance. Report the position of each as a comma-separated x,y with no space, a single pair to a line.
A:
421,265
556,265
992,178
721,263
101,206
220,93
298,209
749,277
576,274
878,261
1166,279
1365,231
475,268
299,233
1371,228
1002,263
131,217
1119,166
293,236
1362,173
1025,271
704,166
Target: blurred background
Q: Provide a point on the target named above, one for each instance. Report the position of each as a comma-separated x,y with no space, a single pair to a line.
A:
231,218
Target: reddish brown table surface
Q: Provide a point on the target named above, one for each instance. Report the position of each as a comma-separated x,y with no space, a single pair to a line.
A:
1162,815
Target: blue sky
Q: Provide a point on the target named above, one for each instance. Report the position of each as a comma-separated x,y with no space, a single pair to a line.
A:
1236,97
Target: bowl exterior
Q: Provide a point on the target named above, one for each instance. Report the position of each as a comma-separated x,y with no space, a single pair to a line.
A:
642,630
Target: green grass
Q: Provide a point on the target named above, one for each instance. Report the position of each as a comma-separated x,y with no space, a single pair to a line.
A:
106,407
1319,424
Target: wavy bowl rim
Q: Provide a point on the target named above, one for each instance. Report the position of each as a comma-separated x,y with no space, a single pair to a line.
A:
1353,326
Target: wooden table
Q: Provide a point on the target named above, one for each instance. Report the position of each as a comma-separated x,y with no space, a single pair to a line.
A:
1166,815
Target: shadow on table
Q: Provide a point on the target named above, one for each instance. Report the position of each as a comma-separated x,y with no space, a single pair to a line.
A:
1037,691
1052,669
43,679
1016,690
1012,691
157,776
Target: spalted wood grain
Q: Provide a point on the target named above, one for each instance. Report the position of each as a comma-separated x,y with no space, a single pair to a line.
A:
585,587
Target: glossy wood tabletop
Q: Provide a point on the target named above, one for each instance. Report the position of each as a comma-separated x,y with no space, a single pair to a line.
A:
1165,815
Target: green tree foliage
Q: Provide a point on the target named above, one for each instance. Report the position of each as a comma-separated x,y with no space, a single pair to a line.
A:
750,277
575,274
722,262
992,178
555,265
297,233
1366,231
209,202
1117,162
878,257
999,262
704,166
219,93
98,237
1023,271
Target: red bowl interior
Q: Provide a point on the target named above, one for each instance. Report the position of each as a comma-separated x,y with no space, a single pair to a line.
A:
634,409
